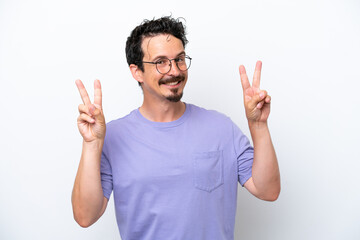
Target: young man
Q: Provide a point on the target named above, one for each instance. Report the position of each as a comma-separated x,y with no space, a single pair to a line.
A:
174,167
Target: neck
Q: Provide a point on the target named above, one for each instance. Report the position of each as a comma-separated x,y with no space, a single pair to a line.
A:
164,111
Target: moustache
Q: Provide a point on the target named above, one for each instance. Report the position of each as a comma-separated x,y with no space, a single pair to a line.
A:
172,79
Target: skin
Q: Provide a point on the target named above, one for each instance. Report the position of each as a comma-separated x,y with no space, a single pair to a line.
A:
156,107
265,181
88,200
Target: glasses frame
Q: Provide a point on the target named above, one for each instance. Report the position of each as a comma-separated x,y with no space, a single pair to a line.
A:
156,64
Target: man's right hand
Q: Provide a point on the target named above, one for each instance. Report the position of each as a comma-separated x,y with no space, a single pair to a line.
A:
91,122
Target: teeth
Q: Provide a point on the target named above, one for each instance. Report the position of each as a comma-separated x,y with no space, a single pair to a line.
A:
172,84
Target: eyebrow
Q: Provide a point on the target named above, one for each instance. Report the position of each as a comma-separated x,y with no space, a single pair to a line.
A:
163,56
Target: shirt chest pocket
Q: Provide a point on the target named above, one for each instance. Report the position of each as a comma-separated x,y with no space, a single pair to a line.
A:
208,170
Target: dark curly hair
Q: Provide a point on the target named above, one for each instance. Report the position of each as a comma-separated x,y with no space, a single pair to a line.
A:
149,28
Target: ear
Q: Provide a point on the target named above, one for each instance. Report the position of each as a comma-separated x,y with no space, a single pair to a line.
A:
136,73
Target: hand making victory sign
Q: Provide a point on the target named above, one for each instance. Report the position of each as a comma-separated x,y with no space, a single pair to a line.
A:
256,101
91,122
265,180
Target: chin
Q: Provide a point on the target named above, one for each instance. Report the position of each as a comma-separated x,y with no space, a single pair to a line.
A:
175,97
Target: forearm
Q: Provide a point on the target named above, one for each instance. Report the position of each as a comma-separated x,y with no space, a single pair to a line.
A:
87,196
265,171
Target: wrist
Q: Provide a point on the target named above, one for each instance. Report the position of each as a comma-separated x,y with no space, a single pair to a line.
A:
256,125
259,132
95,145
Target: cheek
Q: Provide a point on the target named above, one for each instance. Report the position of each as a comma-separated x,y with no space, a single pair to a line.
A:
156,77
153,79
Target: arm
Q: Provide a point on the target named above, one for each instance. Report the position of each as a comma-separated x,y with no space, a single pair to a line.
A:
265,180
87,199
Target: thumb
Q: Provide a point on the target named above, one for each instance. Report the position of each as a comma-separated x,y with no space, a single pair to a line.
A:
257,98
96,113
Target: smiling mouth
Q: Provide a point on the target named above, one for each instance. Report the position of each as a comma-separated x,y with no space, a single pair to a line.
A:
172,83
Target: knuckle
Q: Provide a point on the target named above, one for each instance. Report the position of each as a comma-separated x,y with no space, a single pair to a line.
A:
82,116
97,106
97,112
82,108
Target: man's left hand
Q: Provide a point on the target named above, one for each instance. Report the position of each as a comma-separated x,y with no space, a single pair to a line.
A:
256,101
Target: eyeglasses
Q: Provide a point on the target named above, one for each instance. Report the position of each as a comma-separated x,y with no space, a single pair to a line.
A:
163,65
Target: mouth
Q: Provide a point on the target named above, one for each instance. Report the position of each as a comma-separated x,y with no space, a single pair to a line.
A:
173,82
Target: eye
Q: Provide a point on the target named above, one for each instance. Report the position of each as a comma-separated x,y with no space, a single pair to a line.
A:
162,62
180,59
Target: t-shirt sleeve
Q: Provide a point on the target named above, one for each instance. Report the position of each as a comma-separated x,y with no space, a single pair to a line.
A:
244,154
106,174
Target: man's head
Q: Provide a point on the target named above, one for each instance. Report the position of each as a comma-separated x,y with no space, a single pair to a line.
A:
151,28
153,42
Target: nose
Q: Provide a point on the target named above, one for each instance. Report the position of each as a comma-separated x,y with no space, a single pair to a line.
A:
174,70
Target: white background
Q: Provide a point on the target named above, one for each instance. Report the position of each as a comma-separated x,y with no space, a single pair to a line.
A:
310,52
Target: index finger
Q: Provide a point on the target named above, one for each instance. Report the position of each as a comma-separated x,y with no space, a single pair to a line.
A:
244,79
97,93
83,93
257,75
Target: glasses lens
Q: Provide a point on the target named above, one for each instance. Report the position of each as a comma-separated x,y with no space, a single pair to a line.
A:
163,65
183,63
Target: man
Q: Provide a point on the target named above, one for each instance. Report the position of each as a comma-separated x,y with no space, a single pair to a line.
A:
174,167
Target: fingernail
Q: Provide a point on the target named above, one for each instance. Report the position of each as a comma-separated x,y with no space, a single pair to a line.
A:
261,95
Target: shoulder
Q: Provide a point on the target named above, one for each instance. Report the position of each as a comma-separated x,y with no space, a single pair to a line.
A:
208,115
210,121
120,124
122,120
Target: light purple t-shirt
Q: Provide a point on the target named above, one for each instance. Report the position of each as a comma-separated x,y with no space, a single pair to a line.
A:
175,180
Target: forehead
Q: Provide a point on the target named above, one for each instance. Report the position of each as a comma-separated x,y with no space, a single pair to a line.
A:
161,45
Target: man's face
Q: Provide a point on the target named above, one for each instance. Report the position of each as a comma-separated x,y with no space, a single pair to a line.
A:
168,86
